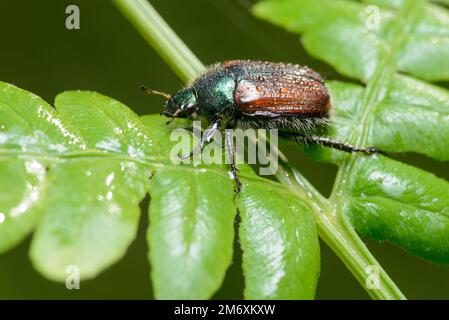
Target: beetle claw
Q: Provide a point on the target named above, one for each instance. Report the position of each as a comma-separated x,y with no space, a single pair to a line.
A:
186,156
374,150
238,187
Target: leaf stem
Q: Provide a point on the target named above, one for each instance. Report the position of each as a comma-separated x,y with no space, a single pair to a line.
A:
333,229
341,237
158,33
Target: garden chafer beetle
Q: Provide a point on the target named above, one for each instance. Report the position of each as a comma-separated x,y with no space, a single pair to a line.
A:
258,94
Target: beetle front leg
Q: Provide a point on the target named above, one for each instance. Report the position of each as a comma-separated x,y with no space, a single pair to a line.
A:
205,139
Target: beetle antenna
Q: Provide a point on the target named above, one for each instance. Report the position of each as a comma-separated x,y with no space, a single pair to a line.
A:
159,93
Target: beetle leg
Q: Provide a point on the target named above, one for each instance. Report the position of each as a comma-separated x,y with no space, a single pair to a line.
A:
346,147
341,145
230,147
205,139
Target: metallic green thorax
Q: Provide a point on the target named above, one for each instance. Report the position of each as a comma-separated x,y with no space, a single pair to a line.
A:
208,95
215,92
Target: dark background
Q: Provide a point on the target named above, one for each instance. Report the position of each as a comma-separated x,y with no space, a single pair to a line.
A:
107,55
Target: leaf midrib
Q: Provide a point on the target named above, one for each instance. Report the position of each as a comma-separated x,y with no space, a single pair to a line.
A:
372,94
151,162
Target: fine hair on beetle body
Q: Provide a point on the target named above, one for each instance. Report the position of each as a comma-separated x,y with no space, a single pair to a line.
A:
257,94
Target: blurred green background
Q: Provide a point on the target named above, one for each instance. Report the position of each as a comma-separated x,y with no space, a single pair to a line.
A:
107,55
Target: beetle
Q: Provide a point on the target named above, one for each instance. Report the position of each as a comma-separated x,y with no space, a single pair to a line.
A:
257,94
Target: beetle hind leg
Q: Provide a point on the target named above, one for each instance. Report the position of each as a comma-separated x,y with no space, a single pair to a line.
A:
342,146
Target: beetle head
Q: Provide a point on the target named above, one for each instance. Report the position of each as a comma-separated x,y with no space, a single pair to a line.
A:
180,105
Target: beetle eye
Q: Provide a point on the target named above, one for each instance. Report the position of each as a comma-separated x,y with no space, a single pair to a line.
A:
186,106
